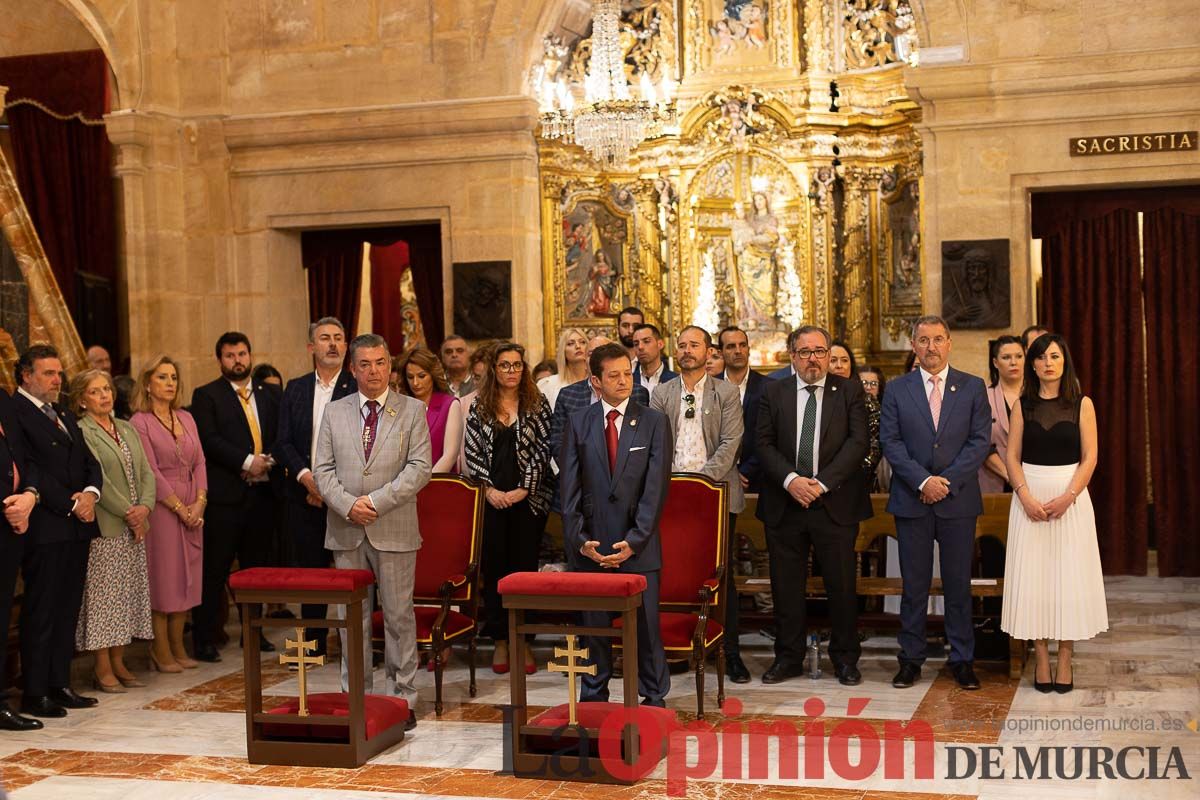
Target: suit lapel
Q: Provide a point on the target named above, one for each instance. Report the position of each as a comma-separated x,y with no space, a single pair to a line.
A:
239,410
629,433
833,394
789,419
710,418
389,416
916,388
594,431
108,440
949,394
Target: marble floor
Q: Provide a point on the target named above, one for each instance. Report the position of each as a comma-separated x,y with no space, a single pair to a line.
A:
1137,692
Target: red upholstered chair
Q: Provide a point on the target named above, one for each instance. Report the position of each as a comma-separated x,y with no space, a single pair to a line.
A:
693,529
446,592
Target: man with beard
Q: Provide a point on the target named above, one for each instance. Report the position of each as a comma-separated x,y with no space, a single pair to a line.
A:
304,403
237,421
629,320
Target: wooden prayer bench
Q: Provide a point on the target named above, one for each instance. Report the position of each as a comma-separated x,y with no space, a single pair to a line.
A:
335,729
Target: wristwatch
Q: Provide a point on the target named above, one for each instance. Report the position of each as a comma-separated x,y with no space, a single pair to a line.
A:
37,497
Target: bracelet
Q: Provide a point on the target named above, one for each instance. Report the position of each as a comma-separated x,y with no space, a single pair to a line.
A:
1019,488
1073,493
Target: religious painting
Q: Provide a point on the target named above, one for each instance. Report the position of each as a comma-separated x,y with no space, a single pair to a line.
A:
755,235
740,25
902,246
975,293
483,299
594,260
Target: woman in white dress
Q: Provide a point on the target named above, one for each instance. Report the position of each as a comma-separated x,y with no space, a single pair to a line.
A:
572,364
1053,583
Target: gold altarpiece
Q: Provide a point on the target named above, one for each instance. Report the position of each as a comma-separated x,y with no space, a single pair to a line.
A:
789,193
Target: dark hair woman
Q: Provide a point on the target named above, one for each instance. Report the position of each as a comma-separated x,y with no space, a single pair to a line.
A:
421,376
1053,584
1006,367
508,448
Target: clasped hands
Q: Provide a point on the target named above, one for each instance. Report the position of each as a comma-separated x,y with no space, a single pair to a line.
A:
260,465
313,496
622,552
362,512
935,490
804,490
17,508
499,499
1044,512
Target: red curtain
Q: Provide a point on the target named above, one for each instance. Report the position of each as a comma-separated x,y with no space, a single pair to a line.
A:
333,259
63,167
388,265
1091,294
1172,300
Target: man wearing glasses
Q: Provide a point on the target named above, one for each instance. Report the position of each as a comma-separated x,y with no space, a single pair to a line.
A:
812,436
706,416
935,431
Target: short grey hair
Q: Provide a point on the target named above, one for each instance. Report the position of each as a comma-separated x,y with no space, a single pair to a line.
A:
928,319
322,322
367,340
807,329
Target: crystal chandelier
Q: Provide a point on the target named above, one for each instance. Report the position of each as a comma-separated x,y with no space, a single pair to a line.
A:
611,123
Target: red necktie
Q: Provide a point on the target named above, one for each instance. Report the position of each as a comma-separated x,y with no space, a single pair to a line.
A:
369,428
610,436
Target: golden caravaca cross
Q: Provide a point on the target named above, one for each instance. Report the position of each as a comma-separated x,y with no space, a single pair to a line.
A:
572,668
302,660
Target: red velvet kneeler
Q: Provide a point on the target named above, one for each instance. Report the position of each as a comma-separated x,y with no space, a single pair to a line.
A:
341,729
548,747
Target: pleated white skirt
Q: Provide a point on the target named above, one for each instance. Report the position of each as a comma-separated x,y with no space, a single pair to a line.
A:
1053,584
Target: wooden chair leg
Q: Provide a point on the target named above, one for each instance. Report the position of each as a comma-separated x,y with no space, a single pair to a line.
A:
699,659
439,664
721,674
471,665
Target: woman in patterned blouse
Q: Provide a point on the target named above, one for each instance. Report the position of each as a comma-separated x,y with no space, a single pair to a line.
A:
507,447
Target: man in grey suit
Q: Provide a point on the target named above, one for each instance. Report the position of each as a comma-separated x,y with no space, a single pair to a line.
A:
706,417
616,468
373,456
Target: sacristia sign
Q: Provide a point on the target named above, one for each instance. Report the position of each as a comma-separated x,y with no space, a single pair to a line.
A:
1123,143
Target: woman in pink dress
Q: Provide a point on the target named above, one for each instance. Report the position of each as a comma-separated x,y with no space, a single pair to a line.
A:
175,544
422,377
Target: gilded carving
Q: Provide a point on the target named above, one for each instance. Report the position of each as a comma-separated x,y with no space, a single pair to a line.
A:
878,33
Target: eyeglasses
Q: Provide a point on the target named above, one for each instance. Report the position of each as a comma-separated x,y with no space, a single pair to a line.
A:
870,384
936,341
819,352
690,399
510,366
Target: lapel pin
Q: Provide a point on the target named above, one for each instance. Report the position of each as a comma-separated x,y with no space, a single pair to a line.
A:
833,388
954,388
633,423
391,412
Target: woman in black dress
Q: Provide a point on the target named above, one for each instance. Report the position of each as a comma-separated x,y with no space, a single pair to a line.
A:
508,448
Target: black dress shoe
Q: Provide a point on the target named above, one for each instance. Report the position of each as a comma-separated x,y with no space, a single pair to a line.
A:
12,721
735,669
412,721
1044,688
41,706
206,652
654,703
848,675
264,644
907,676
68,698
964,673
780,671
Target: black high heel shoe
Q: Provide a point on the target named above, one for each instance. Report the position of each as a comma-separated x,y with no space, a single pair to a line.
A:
1063,688
1044,688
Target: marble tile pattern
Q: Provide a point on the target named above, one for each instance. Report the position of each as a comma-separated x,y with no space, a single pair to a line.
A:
1136,685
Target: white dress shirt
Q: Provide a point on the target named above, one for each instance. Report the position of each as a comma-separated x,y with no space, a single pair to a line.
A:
620,420
802,399
253,410
322,394
651,381
745,384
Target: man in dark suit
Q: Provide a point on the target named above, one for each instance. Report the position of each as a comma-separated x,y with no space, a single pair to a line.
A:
735,349
304,402
616,468
651,369
812,437
61,528
18,496
935,431
237,421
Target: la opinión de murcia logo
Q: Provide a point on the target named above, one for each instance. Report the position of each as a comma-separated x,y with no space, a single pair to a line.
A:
852,749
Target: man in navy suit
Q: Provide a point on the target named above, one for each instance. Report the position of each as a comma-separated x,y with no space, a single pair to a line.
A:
651,369
615,471
17,488
237,420
61,529
303,405
934,429
735,349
